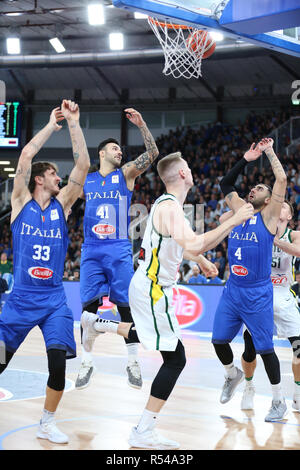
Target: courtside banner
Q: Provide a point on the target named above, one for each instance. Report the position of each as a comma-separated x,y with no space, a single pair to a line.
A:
195,305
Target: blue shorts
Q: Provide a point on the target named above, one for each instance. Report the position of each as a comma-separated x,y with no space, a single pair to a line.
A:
252,306
47,309
106,270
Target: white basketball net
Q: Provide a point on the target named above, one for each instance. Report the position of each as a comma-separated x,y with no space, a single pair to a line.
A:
180,59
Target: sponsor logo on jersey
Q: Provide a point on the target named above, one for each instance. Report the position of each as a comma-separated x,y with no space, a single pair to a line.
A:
187,305
38,272
279,279
239,270
253,220
104,229
115,179
54,215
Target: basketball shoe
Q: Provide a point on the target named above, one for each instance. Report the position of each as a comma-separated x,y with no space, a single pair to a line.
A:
151,439
49,430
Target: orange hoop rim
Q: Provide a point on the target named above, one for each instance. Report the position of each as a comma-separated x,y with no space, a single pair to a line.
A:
168,25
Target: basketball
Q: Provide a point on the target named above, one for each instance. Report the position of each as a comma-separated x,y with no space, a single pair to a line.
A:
198,40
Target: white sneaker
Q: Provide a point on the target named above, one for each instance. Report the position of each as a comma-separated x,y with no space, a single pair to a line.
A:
151,440
296,402
85,374
134,375
247,399
49,430
89,334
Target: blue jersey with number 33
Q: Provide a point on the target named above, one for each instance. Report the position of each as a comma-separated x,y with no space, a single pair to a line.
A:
40,242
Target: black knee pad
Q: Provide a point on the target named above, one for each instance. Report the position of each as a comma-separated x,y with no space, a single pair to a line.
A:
224,353
125,314
175,359
166,378
57,369
249,354
272,367
92,307
295,343
132,335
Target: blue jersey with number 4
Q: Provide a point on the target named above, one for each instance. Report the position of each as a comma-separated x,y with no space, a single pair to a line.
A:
250,252
107,202
40,242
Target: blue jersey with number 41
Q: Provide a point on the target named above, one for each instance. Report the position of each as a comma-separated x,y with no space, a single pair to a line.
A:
107,202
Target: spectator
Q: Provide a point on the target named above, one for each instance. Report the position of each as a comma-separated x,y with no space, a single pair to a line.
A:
5,265
196,277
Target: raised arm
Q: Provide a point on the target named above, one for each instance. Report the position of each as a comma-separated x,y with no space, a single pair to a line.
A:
271,212
133,169
169,221
20,194
208,268
232,198
290,248
73,190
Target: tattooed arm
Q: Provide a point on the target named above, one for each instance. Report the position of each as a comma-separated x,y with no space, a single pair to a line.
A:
20,194
271,212
74,189
133,169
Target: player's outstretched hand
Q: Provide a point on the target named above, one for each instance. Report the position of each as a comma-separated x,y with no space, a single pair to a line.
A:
209,269
134,116
244,213
70,110
253,153
265,144
56,116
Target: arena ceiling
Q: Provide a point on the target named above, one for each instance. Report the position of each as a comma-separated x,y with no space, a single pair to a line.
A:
93,74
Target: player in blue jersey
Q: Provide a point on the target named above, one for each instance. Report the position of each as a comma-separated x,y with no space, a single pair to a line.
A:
106,261
40,240
248,295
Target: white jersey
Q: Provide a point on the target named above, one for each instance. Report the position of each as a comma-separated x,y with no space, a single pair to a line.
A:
282,273
160,256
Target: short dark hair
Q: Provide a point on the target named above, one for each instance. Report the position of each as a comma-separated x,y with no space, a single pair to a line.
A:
102,144
38,169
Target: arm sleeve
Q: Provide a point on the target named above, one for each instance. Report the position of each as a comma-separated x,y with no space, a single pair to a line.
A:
227,183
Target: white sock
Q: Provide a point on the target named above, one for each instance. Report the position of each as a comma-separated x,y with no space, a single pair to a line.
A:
47,416
106,325
231,371
147,421
132,349
86,357
277,392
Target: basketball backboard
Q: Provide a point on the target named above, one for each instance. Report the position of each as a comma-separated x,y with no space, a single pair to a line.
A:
210,14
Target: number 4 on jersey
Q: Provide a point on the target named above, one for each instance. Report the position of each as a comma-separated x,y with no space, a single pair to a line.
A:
238,253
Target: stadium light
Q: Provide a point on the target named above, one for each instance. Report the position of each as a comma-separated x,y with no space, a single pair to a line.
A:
96,14
140,16
57,45
116,41
13,45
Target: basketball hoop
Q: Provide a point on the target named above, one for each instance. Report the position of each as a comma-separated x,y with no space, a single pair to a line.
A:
184,47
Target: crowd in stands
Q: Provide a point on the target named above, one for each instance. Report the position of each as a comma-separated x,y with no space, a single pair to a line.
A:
210,151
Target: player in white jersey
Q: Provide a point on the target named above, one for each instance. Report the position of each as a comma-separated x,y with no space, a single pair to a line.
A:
168,239
286,312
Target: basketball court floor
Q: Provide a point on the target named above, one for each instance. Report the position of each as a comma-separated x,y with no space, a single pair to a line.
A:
100,417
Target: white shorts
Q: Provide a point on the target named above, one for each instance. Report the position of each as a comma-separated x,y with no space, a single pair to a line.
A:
153,313
286,313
